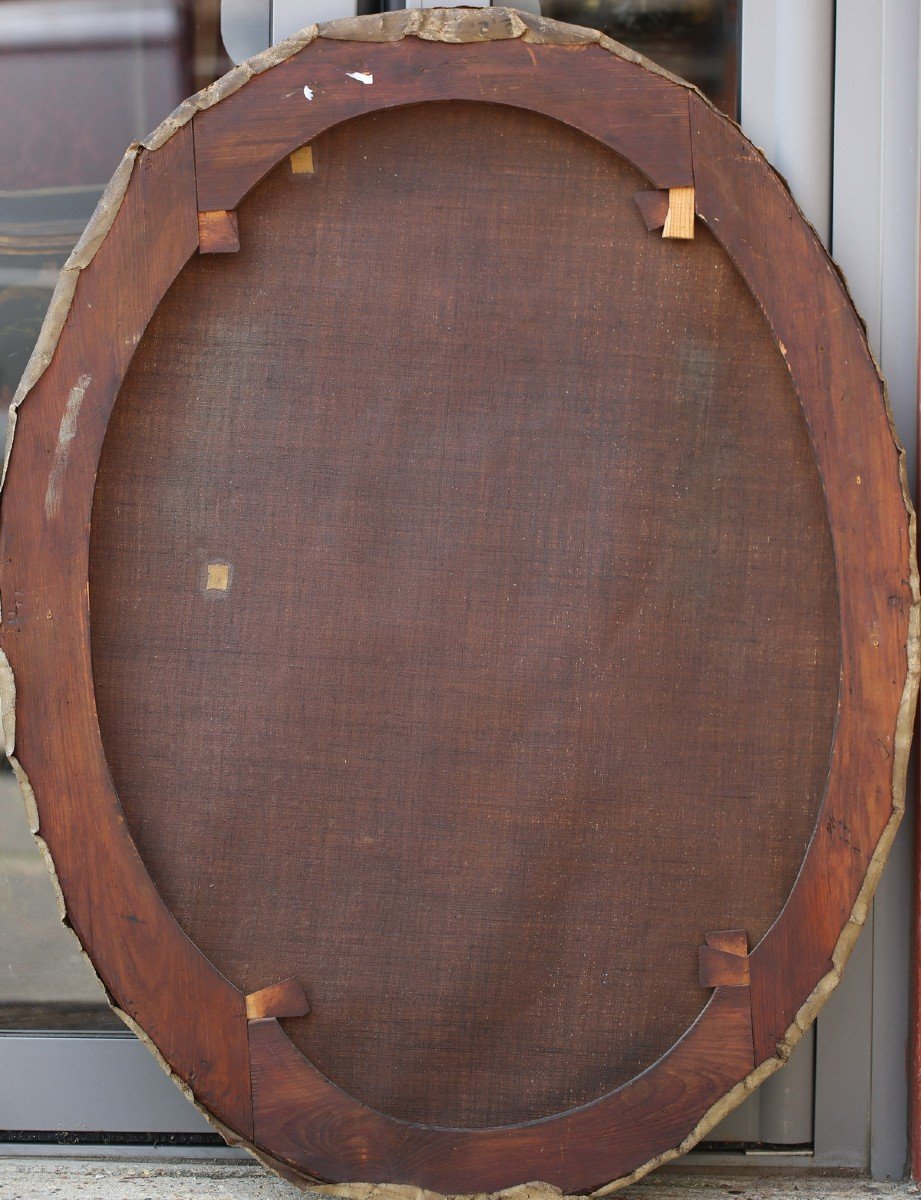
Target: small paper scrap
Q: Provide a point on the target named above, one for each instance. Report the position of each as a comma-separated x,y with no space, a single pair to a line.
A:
361,76
308,92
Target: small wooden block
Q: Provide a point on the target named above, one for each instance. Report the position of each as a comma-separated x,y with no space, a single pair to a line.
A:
218,232
218,577
719,969
285,999
653,208
732,941
302,161
724,959
679,221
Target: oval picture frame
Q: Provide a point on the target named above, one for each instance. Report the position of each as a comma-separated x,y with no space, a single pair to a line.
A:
175,196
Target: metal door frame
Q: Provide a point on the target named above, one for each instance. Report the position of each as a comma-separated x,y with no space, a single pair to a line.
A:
830,91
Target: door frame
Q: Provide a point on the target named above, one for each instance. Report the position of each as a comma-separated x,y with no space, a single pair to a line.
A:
853,164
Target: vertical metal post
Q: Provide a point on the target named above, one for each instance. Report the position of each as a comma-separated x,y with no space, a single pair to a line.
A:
787,77
875,239
787,86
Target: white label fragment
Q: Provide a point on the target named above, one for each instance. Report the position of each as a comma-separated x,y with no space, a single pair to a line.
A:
308,92
218,577
361,76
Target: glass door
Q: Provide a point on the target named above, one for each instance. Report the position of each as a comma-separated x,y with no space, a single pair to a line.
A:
79,81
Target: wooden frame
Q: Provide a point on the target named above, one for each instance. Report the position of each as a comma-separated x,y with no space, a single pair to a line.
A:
914,1043
175,195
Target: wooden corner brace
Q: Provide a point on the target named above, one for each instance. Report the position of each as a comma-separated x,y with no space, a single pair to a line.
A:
671,211
679,221
218,232
302,161
285,999
724,959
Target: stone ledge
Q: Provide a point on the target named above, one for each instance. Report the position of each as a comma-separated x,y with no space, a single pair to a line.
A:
44,1178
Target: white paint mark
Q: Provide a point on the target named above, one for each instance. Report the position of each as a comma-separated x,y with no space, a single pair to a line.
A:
66,435
361,76
308,92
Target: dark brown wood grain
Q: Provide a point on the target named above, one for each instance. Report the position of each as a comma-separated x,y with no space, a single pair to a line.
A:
640,115
729,941
750,211
285,999
346,1139
914,1038
718,968
218,233
653,208
469,512
488,600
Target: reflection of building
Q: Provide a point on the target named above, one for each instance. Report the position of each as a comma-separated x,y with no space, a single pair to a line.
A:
79,80
83,79
695,39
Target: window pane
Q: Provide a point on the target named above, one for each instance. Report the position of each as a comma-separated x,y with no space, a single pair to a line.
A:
44,981
696,39
79,81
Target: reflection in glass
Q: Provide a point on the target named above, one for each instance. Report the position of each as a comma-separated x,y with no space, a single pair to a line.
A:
79,81
696,39
44,981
